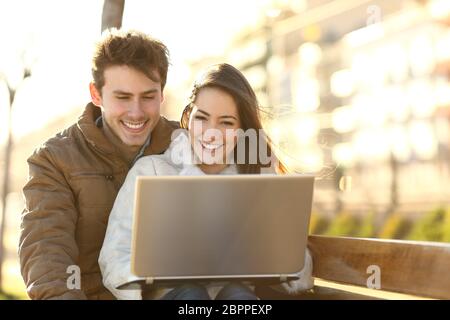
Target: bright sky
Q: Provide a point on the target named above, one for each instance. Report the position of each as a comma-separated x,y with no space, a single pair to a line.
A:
57,38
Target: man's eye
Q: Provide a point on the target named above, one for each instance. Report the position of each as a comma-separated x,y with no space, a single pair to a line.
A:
149,98
122,98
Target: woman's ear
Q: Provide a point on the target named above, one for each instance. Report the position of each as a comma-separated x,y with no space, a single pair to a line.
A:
96,96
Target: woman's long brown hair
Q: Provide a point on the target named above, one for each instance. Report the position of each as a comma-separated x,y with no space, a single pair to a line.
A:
229,79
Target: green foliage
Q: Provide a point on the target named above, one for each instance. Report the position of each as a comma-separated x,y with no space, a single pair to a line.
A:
317,224
446,227
344,224
396,226
6,296
433,226
430,227
367,227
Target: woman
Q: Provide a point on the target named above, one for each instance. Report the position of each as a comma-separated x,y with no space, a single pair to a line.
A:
222,105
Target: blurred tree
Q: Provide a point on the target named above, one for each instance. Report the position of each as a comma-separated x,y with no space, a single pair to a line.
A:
394,184
112,14
6,173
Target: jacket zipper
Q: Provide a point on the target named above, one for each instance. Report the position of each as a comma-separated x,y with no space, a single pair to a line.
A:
107,176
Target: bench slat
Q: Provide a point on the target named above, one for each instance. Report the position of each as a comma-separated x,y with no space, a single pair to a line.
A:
317,293
417,268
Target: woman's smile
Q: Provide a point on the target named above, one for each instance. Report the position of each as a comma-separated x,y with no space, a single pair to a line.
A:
210,146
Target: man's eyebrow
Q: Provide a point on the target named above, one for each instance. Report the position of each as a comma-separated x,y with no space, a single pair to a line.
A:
150,91
124,93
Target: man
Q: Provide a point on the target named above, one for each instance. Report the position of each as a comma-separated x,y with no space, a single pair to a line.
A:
75,176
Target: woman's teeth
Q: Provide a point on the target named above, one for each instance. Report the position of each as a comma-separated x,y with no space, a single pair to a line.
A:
210,146
134,125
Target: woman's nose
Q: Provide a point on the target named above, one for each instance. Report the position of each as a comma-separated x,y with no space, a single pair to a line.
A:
209,135
212,133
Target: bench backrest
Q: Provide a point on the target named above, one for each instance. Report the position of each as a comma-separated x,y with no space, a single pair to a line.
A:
412,267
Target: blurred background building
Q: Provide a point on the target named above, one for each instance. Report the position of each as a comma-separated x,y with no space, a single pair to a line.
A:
355,91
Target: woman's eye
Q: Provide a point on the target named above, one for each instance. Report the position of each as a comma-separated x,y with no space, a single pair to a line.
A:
228,123
200,118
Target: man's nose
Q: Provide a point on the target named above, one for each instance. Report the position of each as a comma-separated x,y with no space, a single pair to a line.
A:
136,110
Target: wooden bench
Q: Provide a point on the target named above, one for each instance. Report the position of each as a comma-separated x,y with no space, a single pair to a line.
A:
417,269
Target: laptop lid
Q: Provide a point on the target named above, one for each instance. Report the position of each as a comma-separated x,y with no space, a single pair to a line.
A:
220,227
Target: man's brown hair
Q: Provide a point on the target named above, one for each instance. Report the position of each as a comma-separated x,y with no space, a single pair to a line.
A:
133,49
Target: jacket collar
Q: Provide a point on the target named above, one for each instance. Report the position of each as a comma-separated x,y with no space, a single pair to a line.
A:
160,136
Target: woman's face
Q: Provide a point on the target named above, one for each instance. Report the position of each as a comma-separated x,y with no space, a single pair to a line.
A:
212,126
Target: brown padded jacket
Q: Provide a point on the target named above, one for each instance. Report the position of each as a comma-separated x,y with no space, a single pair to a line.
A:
74,178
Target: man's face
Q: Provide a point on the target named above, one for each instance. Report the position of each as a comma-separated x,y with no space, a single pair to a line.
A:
130,102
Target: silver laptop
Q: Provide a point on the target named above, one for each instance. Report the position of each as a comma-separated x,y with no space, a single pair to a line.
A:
246,227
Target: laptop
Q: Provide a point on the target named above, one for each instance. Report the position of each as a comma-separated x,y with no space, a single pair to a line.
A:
220,228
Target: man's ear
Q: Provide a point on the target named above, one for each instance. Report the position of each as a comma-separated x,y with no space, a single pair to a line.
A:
95,95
